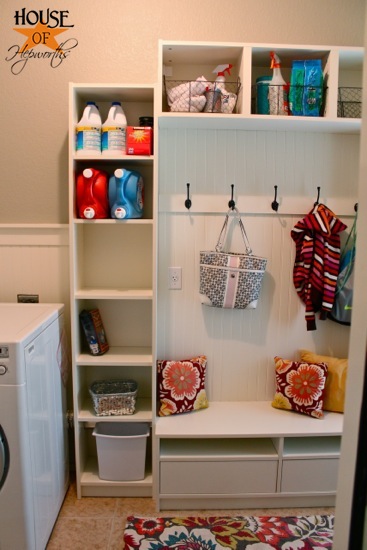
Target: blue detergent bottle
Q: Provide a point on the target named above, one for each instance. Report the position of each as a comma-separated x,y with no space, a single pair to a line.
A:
126,194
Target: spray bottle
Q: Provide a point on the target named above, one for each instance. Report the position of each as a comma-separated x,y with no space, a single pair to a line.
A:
220,71
278,101
214,94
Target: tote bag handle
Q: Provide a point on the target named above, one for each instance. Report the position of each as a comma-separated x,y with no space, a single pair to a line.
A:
223,234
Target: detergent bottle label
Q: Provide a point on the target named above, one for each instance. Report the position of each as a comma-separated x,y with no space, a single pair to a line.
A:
113,139
88,138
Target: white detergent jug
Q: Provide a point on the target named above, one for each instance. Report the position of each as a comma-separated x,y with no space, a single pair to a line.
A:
114,131
88,131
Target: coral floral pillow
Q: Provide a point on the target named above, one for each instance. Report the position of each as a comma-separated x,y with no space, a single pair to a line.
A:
181,385
300,386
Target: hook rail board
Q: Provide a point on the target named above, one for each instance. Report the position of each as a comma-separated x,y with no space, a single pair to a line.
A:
258,205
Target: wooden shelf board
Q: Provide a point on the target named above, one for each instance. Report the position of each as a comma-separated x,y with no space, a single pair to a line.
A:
218,121
119,356
143,413
90,477
114,294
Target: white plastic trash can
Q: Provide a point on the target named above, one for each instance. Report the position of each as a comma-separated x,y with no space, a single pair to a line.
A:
121,450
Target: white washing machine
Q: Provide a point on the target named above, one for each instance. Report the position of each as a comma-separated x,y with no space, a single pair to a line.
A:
34,472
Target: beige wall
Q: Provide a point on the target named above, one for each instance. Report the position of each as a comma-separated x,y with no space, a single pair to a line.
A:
117,42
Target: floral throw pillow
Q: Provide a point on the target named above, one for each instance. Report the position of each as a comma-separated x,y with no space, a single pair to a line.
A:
300,386
336,379
181,385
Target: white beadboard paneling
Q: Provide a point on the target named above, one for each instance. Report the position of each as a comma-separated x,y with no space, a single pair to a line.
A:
241,345
256,161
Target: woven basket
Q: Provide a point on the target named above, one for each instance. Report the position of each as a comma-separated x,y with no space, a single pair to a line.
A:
114,397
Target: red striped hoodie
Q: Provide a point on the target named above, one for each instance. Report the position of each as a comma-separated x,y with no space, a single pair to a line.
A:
316,267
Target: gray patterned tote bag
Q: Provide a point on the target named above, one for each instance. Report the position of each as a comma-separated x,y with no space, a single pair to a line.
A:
231,279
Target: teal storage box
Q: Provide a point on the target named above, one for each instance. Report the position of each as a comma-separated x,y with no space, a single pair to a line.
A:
262,95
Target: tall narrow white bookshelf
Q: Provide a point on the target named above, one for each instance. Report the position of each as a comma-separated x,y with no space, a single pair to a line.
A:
112,269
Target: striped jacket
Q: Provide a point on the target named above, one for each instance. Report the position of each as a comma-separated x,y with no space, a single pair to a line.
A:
316,267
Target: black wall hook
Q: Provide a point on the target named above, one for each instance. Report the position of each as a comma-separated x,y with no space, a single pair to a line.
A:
356,207
318,197
188,202
275,204
231,203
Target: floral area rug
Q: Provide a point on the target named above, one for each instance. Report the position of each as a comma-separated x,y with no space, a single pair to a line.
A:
224,533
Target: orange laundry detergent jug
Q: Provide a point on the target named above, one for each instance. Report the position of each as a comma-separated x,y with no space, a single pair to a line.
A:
92,194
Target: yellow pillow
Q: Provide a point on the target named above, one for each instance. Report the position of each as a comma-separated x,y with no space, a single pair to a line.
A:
336,379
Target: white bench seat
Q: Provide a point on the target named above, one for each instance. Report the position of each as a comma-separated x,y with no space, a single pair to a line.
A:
247,454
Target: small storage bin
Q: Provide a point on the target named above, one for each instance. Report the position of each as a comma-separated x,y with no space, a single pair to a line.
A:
350,102
121,450
114,397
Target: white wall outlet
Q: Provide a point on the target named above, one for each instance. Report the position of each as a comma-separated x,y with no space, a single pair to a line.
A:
175,278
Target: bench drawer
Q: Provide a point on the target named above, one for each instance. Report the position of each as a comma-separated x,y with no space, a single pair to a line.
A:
220,477
310,475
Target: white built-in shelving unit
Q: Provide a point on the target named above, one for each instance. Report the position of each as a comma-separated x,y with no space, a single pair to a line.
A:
342,67
236,452
239,453
112,269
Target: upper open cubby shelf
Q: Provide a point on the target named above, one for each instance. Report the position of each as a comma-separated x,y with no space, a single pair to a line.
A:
182,63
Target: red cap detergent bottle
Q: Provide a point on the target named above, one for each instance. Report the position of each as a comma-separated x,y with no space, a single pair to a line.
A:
126,194
92,194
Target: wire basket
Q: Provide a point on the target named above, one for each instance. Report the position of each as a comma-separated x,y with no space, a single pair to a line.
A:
113,397
350,102
201,95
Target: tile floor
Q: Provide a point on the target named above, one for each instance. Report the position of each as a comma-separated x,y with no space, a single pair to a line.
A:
98,523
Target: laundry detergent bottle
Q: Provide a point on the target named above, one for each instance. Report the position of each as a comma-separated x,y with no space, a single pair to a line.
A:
88,131
92,194
126,194
114,131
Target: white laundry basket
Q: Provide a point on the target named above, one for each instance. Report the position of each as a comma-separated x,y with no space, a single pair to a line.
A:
121,450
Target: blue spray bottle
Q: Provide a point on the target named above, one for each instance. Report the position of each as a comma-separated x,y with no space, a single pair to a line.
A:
126,194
